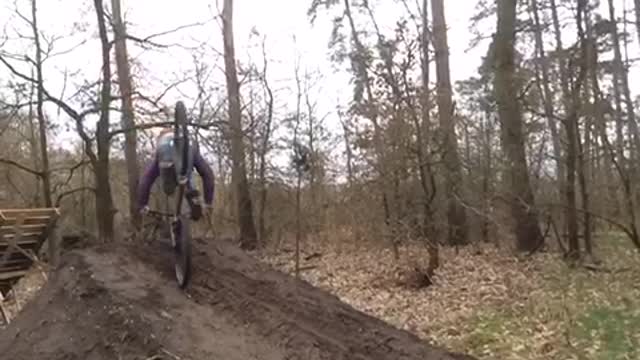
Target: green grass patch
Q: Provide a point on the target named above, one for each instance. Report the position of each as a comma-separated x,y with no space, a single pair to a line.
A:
609,333
498,332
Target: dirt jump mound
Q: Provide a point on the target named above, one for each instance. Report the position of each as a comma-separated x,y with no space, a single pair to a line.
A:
124,304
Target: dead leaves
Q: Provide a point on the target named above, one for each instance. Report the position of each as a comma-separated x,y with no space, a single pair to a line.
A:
493,304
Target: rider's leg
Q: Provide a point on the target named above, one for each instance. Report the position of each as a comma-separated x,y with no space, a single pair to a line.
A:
193,197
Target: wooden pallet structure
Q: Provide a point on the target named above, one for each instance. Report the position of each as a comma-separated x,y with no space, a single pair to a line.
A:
22,233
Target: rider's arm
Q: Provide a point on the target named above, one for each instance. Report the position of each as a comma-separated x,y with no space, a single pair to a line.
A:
146,182
206,173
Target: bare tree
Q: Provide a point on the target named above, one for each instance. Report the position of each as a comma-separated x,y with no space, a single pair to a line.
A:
548,97
521,198
42,124
248,234
105,210
456,214
266,137
128,122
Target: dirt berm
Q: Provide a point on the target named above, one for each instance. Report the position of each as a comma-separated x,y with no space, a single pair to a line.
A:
122,304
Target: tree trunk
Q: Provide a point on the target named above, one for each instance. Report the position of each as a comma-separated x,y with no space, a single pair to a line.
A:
523,210
575,158
583,173
33,144
422,133
623,77
599,119
104,201
485,129
266,136
548,96
361,72
570,191
621,80
128,116
616,90
42,124
346,137
636,4
311,144
456,215
248,234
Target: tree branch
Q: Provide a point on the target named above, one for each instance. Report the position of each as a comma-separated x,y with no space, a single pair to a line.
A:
70,176
207,126
72,191
78,117
21,167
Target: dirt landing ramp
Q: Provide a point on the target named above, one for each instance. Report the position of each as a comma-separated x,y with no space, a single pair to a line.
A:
124,304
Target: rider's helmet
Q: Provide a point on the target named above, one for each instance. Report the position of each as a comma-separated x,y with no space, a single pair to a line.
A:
165,148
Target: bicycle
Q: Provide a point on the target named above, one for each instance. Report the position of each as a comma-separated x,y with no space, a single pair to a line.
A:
177,223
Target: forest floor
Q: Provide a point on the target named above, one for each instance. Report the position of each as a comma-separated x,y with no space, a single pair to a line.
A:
492,304
121,302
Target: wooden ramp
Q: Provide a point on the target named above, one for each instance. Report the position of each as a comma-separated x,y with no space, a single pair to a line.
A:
22,232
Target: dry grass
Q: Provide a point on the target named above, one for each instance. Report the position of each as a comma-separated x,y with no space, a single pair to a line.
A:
493,304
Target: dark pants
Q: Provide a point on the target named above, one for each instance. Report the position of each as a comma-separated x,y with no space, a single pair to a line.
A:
170,184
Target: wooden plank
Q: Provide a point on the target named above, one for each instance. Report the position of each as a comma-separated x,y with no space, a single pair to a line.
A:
21,248
13,213
18,266
16,255
22,232
17,262
13,274
8,229
31,220
31,240
26,237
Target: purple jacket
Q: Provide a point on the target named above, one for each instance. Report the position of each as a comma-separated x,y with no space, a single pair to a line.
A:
153,171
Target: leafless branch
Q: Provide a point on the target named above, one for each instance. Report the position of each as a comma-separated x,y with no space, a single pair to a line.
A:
167,32
70,175
613,222
147,40
206,126
72,191
21,167
15,188
66,51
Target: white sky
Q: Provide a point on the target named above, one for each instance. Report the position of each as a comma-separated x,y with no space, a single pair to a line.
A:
279,20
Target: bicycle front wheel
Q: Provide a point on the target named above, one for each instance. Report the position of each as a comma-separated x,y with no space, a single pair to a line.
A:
182,249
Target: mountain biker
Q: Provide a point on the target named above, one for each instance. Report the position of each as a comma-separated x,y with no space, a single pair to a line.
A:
164,165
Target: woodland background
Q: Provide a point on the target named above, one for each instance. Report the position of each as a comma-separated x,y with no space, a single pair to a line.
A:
530,162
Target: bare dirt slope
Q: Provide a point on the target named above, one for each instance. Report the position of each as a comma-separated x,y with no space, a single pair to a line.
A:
124,304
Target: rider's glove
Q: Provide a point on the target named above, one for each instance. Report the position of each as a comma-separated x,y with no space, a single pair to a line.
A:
144,210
